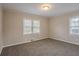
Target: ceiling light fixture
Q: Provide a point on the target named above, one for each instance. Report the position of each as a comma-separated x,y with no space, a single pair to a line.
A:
45,6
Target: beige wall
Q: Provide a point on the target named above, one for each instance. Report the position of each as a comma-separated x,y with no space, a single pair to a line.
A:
1,46
13,28
59,28
56,28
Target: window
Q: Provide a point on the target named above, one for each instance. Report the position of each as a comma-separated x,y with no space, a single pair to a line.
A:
36,26
74,25
27,26
31,26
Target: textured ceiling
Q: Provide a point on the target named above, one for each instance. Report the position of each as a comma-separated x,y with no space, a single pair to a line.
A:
35,8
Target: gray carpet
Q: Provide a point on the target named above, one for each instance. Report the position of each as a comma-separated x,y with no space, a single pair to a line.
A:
46,47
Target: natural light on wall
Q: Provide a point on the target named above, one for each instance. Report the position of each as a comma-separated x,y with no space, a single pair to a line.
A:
31,26
74,25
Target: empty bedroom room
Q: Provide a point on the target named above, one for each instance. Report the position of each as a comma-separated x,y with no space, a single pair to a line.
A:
39,29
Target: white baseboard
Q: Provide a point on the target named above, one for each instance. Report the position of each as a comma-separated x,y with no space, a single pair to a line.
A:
21,43
16,44
65,41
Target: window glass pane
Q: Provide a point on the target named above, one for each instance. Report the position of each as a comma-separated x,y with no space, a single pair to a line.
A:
36,30
36,23
75,30
36,26
27,31
74,25
27,26
27,23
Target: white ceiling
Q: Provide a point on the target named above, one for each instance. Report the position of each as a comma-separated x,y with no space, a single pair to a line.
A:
35,8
